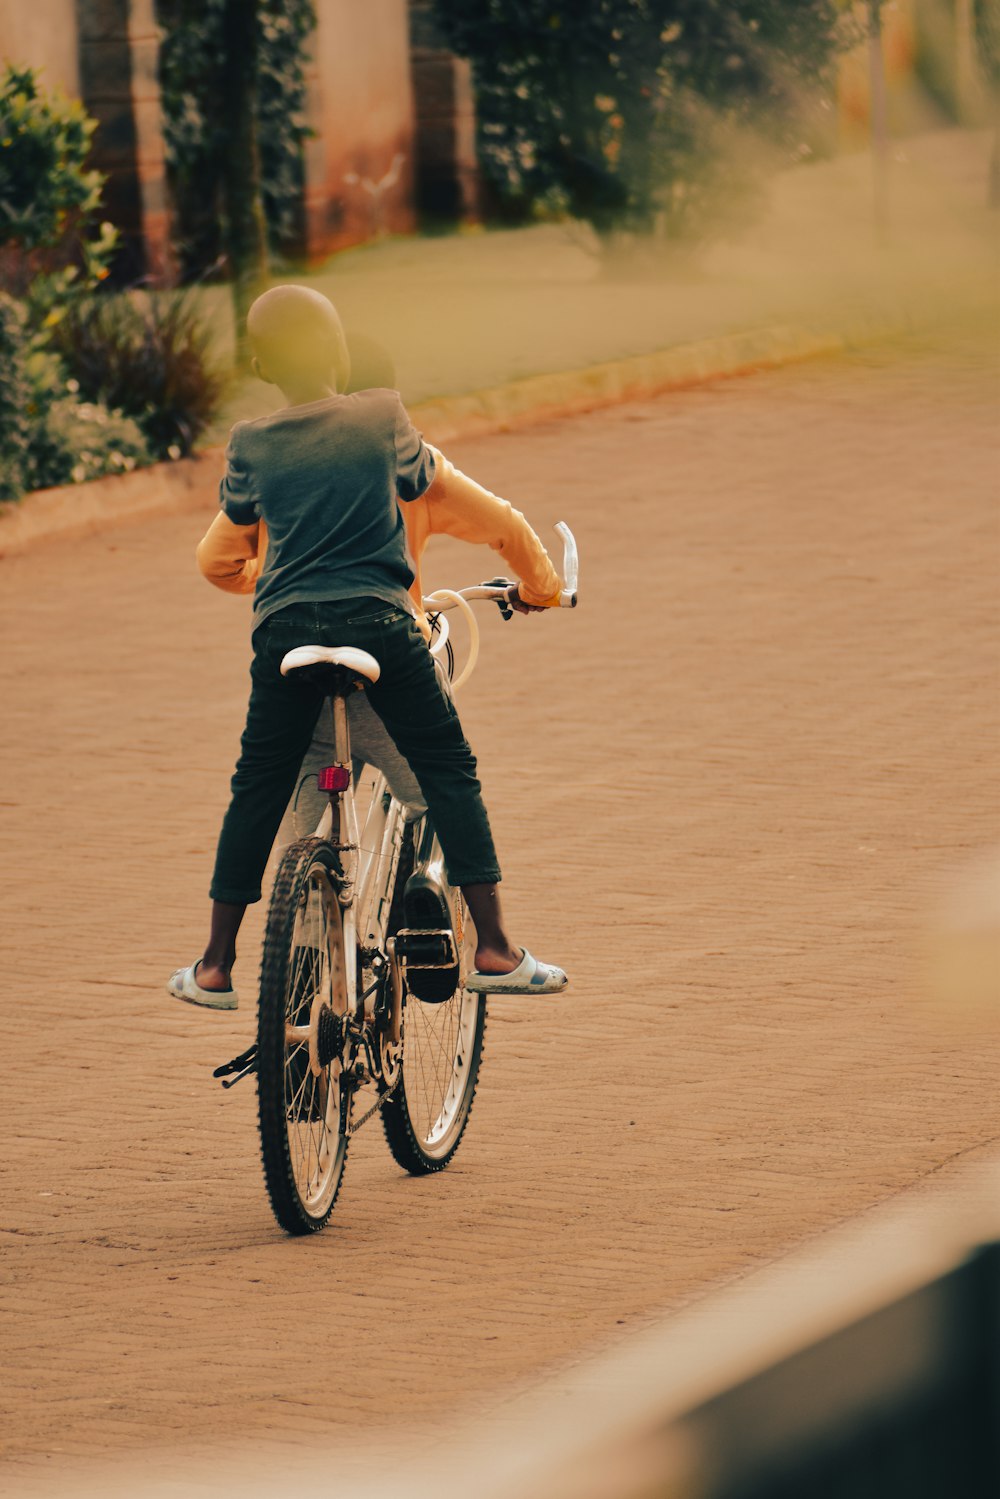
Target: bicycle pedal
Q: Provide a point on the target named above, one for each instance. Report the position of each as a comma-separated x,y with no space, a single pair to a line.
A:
423,948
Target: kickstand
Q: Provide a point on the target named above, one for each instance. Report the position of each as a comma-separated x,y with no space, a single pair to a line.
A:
242,1065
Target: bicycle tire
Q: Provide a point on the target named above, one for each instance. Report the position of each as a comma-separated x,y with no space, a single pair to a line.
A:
299,1119
412,1146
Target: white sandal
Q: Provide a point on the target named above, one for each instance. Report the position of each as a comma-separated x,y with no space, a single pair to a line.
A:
529,977
184,985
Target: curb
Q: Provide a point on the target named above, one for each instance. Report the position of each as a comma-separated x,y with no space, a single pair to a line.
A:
165,488
541,398
82,509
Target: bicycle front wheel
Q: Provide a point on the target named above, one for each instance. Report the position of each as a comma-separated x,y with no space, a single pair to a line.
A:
303,1001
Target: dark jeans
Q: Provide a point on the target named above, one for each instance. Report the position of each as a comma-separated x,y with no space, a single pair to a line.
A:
281,717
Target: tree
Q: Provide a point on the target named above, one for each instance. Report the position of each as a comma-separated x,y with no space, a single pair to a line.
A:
636,114
246,232
987,24
193,63
879,115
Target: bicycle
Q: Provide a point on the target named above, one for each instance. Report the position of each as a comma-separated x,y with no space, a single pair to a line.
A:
366,948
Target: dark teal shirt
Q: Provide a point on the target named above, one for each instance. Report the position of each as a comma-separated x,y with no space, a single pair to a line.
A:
326,477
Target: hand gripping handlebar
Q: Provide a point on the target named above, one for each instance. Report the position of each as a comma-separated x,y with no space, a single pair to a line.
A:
438,603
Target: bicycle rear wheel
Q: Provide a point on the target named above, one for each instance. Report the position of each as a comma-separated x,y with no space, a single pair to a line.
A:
303,999
425,1118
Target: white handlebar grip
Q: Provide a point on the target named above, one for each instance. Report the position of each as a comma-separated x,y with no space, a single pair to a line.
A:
571,567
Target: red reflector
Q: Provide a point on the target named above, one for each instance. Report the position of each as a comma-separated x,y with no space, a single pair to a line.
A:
334,778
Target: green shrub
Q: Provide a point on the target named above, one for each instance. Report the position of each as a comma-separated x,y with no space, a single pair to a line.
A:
48,435
45,141
80,440
149,356
48,198
14,399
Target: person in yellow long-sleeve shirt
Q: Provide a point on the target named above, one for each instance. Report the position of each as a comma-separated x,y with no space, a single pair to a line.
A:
231,556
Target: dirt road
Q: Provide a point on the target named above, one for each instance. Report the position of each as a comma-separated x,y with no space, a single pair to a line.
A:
727,791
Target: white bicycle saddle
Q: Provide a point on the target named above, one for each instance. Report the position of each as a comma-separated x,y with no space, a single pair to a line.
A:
358,662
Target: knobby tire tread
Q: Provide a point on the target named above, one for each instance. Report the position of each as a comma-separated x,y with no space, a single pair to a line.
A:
274,1150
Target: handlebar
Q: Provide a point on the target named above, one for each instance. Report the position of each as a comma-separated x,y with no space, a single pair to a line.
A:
571,567
496,590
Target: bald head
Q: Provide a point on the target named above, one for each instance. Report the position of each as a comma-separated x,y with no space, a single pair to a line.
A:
298,341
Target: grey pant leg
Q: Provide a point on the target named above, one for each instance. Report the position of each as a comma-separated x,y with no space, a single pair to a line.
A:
370,742
370,745
308,803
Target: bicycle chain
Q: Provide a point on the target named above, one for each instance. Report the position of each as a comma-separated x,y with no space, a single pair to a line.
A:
353,1128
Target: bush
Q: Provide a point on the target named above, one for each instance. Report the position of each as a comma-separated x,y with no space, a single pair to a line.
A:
88,385
47,434
45,143
48,198
636,114
149,356
80,440
14,399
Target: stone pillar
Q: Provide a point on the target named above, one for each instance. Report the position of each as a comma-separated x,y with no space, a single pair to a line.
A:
118,84
447,169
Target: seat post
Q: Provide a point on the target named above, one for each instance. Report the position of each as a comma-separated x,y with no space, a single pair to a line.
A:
337,778
341,732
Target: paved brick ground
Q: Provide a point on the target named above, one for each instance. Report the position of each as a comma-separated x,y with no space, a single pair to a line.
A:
740,776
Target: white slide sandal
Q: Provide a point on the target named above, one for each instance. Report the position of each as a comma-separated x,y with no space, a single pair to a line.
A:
529,977
184,985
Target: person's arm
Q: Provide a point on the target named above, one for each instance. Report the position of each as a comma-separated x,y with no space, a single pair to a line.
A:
230,556
458,506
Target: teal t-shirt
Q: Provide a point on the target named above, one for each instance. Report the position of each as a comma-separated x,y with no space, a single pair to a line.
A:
326,477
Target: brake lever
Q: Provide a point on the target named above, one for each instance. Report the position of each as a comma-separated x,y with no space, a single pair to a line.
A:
501,604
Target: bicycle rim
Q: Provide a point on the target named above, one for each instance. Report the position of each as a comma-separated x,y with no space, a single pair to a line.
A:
303,996
442,1051
440,1068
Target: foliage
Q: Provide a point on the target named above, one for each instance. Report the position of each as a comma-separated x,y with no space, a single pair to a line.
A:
636,114
148,355
192,61
48,198
47,434
987,19
81,440
43,147
89,384
14,398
